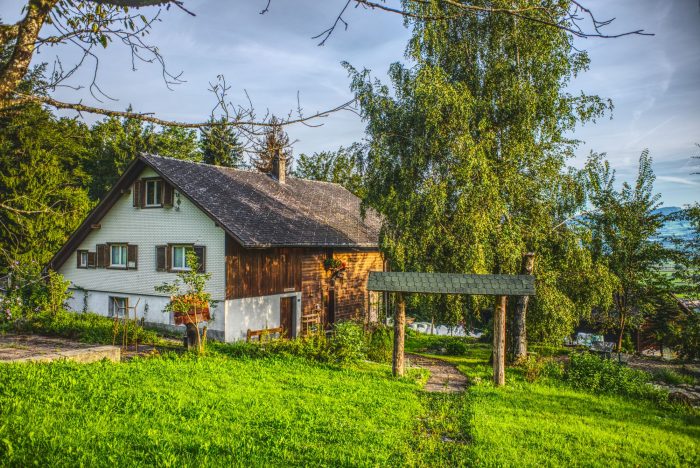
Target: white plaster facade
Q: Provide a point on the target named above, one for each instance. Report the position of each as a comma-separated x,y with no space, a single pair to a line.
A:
257,313
147,228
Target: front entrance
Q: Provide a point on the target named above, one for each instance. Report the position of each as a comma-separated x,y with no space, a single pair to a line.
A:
287,315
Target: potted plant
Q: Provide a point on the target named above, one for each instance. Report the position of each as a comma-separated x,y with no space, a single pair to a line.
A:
335,266
189,302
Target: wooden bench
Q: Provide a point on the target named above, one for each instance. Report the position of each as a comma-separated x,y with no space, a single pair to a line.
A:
265,332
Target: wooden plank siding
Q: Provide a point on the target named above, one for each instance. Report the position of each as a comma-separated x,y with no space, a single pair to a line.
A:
351,291
262,272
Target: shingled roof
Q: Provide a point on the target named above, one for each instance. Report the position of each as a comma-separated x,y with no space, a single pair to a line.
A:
259,211
452,283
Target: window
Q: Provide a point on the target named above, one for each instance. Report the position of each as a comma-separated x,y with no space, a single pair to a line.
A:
180,257
82,258
118,254
154,193
117,306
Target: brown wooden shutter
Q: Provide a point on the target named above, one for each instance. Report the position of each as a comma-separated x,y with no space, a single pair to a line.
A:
91,260
77,256
168,259
138,189
160,257
167,194
102,256
200,252
132,256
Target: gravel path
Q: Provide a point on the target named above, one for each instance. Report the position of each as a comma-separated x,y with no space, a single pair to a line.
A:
444,377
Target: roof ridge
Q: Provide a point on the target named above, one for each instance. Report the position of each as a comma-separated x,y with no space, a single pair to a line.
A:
236,169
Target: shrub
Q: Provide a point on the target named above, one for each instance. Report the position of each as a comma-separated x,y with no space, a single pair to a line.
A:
87,327
672,377
380,343
589,372
348,342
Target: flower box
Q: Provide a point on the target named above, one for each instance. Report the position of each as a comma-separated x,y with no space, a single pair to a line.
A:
183,318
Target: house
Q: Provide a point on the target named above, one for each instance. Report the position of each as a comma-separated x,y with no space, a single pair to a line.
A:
264,238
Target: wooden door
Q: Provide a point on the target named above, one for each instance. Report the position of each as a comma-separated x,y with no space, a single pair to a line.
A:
287,315
330,308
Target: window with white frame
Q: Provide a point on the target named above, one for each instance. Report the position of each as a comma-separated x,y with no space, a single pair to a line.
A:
179,256
82,258
154,193
117,256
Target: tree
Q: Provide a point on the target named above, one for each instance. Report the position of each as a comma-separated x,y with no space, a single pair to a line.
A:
220,146
116,142
467,158
273,143
345,166
42,195
624,227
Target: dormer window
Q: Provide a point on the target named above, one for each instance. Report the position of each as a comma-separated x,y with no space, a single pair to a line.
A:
154,193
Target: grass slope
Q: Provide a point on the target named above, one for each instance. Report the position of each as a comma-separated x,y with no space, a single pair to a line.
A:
219,410
215,410
549,424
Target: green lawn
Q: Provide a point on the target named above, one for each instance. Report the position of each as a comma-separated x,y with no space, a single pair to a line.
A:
219,410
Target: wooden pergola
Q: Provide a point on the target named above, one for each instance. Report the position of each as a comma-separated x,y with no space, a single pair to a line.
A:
501,286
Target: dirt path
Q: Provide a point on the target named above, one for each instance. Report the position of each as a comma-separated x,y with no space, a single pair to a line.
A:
444,377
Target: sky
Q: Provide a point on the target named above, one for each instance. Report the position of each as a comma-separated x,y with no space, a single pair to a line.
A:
654,81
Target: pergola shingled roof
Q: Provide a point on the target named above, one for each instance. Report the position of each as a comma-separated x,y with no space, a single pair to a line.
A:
452,283
261,212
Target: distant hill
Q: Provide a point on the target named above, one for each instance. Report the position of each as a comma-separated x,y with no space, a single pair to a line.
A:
673,229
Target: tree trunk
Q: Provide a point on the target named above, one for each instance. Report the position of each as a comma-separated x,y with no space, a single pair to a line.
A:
622,332
520,313
399,327
499,341
26,35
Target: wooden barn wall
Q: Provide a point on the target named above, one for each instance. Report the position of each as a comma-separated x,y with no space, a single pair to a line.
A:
351,291
261,272
314,283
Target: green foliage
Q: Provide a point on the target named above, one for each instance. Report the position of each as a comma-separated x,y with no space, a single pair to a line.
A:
672,377
31,293
467,159
116,142
624,226
380,343
348,344
188,288
42,199
589,372
220,146
687,336
442,345
85,327
345,166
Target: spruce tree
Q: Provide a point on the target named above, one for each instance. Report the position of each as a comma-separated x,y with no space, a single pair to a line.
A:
220,146
273,143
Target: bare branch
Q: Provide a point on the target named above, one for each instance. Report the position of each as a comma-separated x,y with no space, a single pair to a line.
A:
148,117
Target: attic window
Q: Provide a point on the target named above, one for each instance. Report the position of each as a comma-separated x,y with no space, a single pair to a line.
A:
154,193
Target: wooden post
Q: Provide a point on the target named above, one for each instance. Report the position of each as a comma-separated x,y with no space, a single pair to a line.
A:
520,314
499,341
399,328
